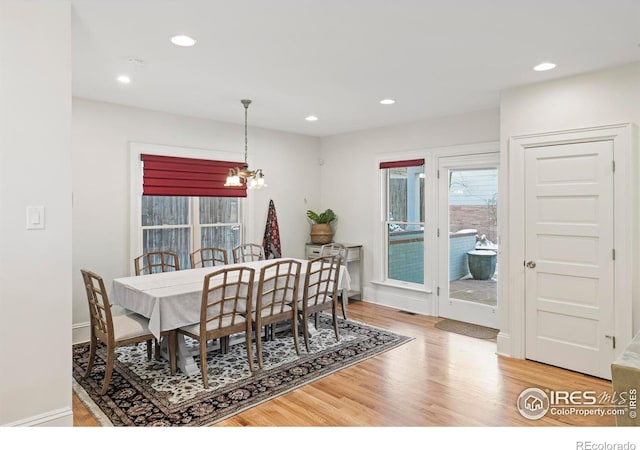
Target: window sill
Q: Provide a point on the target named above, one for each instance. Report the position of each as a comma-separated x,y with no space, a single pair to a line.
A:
405,286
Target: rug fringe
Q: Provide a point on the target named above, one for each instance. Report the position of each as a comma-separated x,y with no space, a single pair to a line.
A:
95,411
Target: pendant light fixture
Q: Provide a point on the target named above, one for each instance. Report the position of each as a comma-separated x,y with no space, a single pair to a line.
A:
253,178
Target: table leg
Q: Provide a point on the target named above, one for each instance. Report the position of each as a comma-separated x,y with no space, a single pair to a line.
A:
184,356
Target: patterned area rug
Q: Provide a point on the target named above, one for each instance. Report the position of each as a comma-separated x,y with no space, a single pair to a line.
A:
144,393
467,329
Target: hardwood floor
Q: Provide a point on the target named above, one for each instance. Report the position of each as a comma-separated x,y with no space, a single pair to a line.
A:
438,379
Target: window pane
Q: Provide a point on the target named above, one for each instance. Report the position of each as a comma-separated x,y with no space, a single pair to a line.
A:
405,224
473,200
159,210
219,210
405,254
226,237
169,240
406,194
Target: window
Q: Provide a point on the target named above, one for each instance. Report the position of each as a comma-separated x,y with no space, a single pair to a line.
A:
183,224
179,204
404,220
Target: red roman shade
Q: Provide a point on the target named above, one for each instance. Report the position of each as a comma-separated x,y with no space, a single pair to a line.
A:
405,163
187,177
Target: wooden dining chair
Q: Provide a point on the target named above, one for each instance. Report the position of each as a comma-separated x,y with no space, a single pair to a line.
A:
248,252
319,292
112,330
209,257
225,309
153,262
276,300
335,248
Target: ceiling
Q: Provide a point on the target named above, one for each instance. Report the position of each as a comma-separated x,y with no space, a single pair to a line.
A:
336,59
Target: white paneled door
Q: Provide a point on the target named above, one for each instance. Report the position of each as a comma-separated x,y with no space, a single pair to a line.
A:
569,256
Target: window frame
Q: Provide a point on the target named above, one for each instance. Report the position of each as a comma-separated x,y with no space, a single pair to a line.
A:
135,202
385,222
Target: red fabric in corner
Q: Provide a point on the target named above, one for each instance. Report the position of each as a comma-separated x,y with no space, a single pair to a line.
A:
271,240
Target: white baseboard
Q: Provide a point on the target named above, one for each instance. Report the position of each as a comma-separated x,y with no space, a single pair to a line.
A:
403,299
80,332
57,418
504,344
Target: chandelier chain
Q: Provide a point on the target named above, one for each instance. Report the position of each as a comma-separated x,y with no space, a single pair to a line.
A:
237,176
246,108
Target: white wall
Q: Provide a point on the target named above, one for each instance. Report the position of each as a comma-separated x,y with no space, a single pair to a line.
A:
600,98
35,169
100,164
350,184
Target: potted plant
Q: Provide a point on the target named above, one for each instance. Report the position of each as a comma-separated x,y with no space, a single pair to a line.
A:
321,232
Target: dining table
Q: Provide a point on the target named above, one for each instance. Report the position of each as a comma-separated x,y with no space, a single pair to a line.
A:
171,300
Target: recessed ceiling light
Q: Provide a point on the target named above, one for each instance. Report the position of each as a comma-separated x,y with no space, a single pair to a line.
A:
124,79
311,118
183,40
387,101
544,66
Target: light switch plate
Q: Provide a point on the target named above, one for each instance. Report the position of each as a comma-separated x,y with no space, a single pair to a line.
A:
35,217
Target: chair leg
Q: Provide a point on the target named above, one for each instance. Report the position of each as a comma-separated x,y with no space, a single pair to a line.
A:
203,362
107,373
249,348
315,318
305,331
224,342
92,355
149,345
258,346
334,314
294,324
173,344
272,327
157,342
345,299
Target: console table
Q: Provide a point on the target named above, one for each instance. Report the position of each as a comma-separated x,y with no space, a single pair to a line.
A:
353,263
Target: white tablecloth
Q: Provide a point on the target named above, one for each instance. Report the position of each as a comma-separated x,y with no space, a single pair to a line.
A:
172,299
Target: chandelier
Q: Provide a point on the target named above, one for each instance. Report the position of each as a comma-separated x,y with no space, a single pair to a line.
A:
254,178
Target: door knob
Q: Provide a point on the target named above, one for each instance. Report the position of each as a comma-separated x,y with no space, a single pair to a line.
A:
531,264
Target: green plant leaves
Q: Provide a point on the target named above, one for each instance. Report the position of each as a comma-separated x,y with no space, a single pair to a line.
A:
327,216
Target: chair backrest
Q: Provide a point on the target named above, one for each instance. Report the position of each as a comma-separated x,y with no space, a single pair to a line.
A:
334,249
154,262
99,306
248,252
320,283
277,287
226,296
209,257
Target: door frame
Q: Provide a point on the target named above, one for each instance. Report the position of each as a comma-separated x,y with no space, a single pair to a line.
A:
461,162
511,340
